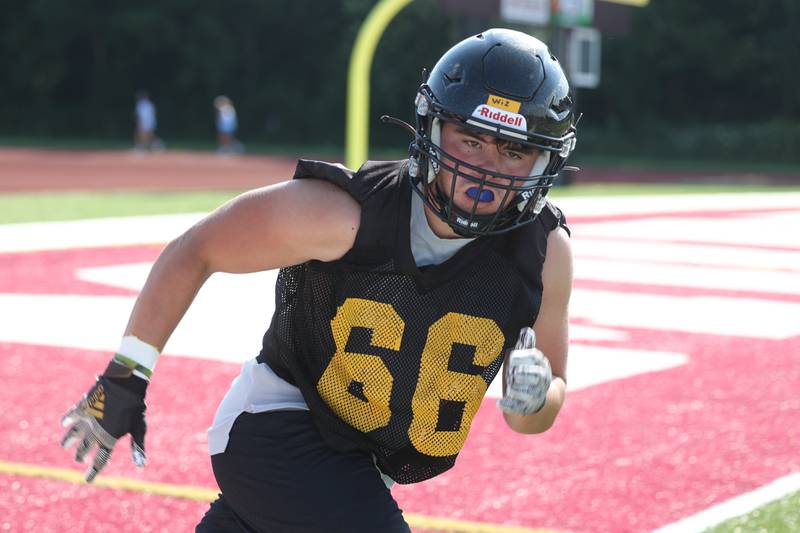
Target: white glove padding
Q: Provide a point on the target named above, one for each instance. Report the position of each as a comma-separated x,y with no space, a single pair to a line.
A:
527,377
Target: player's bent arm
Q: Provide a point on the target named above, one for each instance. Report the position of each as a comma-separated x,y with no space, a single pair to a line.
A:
552,333
271,227
266,228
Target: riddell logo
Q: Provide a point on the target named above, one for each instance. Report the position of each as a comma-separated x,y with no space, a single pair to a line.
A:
500,116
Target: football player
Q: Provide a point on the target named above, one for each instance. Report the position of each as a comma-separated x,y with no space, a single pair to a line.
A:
403,288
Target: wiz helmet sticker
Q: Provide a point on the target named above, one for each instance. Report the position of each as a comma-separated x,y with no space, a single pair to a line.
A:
499,110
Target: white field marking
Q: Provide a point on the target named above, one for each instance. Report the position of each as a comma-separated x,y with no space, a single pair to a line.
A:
644,204
591,333
162,228
775,229
229,316
225,322
738,506
129,275
211,331
237,289
689,254
132,276
734,317
123,231
688,276
593,365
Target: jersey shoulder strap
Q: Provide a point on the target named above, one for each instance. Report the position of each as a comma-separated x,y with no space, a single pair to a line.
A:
527,246
370,179
552,217
378,187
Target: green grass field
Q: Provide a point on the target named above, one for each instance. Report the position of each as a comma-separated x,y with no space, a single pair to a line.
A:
45,207
782,516
48,206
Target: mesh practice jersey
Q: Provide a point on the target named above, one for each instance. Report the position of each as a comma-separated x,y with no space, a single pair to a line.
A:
392,358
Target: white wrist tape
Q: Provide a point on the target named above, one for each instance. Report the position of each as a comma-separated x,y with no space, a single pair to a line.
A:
138,355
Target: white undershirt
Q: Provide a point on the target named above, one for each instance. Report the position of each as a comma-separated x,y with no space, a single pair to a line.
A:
427,248
258,389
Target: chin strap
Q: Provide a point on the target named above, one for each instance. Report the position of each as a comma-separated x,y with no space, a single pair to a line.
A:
436,137
538,169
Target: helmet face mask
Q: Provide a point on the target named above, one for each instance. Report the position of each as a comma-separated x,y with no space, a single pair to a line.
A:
517,194
505,84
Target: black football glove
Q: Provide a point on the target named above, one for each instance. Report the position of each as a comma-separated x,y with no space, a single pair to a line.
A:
113,407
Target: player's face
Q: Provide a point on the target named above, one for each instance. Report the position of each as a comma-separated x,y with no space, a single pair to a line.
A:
487,152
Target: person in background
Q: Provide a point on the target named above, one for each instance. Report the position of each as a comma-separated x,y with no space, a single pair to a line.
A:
145,134
227,124
403,288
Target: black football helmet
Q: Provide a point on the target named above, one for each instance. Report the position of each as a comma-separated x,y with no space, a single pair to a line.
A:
507,84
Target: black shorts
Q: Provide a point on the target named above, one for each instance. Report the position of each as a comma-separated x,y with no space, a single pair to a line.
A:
277,475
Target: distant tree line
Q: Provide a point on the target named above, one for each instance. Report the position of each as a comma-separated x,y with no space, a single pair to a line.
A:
710,78
716,77
72,68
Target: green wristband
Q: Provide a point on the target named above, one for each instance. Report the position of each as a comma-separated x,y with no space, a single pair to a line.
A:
133,365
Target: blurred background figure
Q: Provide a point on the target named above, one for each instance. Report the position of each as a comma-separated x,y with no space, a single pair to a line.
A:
145,135
226,126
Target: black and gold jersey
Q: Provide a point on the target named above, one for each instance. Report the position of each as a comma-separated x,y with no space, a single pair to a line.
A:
391,358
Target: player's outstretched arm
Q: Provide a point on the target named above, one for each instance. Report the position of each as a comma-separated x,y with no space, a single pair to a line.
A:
534,375
266,228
